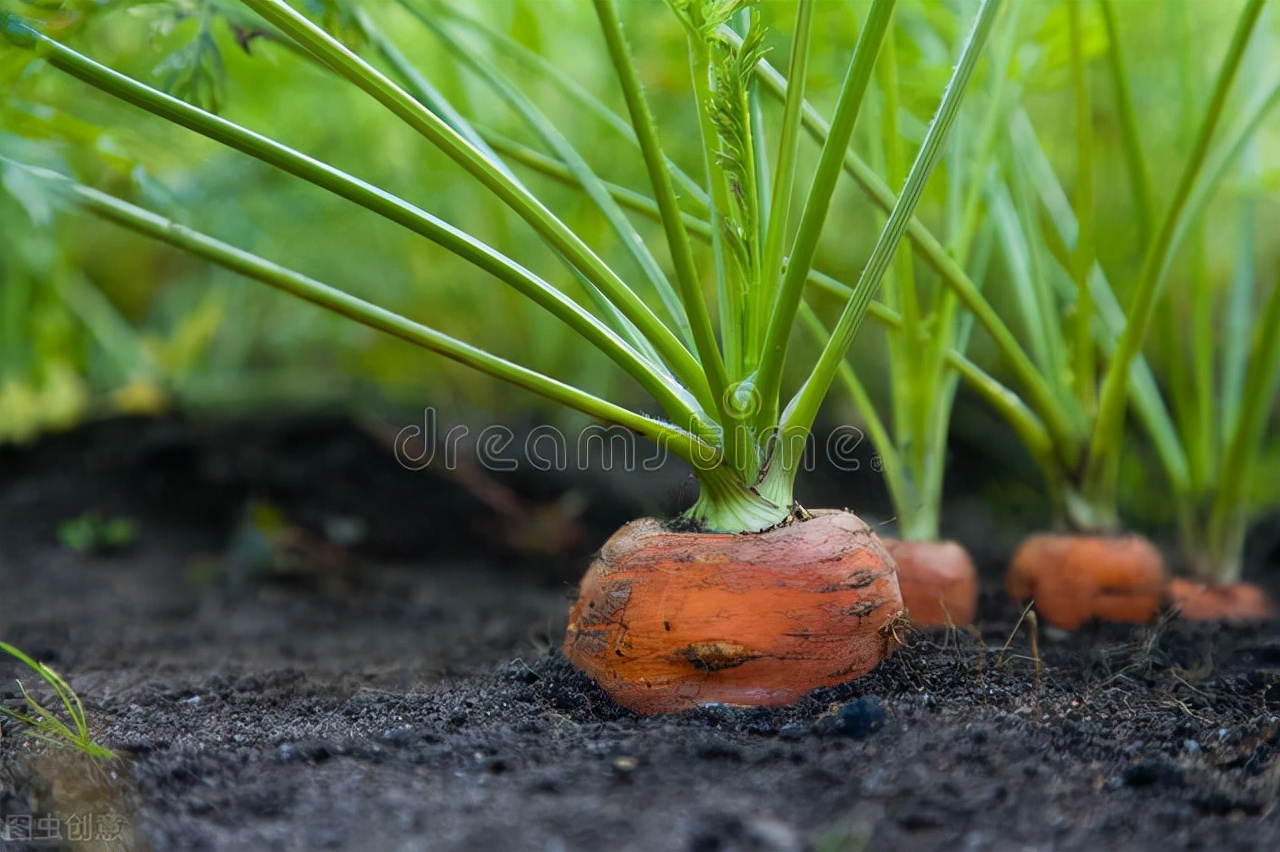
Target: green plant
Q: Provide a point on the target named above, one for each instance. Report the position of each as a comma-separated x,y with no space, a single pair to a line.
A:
41,723
924,377
1209,498
924,326
727,413
95,322
93,533
1077,364
40,384
1221,375
67,350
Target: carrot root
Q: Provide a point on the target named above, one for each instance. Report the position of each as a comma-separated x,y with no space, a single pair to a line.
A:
1075,578
1199,601
666,621
938,581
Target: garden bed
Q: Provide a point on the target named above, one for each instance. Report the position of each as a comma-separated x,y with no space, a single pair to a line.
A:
407,693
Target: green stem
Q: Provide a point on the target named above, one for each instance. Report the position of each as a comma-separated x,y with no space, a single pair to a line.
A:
1066,425
1189,372
1030,430
1103,469
421,88
1085,363
800,259
547,131
1229,514
433,100
556,234
428,96
1201,439
684,444
1238,312
699,228
1135,158
960,240
727,504
764,191
1147,399
551,167
1002,400
753,209
785,167
671,395
1037,293
1216,169
1194,473
677,237
531,61
728,293
906,502
929,248
905,349
803,408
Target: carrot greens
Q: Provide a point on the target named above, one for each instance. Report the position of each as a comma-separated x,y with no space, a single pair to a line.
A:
714,365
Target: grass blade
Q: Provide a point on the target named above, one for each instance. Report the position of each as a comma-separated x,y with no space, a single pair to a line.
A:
44,725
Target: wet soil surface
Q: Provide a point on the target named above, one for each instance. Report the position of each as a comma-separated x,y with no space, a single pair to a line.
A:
357,697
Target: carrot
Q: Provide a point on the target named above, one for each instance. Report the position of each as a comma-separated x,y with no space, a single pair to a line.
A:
1199,601
938,581
1074,578
666,620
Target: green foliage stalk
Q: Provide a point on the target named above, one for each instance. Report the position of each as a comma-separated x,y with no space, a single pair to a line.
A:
726,414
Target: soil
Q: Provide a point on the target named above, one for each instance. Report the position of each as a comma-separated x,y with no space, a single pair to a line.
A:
402,690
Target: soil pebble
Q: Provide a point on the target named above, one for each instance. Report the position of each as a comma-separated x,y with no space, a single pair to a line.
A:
858,719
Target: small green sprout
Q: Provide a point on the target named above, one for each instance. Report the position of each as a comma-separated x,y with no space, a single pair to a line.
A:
42,724
92,533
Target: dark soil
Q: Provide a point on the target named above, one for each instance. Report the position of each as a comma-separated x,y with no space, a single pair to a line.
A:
405,692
